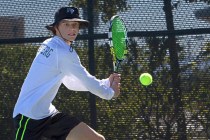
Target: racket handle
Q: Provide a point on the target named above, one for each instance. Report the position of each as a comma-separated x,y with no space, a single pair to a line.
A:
116,66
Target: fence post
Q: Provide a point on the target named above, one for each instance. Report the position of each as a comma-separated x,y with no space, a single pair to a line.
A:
175,71
92,98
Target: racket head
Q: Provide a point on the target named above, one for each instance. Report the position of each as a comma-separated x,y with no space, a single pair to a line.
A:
118,40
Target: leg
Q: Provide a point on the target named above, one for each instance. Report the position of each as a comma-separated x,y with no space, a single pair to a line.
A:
83,132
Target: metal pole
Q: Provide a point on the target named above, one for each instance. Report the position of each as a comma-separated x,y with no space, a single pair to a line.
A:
92,98
175,68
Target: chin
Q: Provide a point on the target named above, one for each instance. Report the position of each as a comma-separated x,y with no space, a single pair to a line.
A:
72,38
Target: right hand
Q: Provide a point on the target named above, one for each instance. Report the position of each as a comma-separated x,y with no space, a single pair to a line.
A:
115,84
116,87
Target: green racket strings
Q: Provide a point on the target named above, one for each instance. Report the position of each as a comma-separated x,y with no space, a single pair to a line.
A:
119,37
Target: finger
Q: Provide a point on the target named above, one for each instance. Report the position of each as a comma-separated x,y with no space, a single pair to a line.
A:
116,74
116,77
117,80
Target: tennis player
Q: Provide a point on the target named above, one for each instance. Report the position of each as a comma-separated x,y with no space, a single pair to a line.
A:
57,63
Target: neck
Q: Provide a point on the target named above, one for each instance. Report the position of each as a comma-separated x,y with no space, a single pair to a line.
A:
66,40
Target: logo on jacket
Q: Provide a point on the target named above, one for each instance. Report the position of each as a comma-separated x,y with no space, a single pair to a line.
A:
45,50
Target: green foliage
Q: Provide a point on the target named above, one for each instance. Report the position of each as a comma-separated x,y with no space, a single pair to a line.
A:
107,8
15,62
140,112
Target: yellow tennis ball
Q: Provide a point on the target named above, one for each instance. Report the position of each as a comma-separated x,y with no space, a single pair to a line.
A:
145,79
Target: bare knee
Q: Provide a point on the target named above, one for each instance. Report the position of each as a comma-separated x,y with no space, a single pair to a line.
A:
101,138
84,132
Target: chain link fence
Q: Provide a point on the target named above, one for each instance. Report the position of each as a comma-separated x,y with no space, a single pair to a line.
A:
169,39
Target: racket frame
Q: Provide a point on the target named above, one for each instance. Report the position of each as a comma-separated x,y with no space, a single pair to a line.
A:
116,61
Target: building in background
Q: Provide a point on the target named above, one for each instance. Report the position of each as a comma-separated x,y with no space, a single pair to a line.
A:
11,27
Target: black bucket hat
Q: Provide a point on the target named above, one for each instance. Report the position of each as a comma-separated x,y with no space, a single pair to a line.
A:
69,14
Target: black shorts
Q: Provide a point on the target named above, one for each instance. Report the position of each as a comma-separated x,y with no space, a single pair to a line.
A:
54,127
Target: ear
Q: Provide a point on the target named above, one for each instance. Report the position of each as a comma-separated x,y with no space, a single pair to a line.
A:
56,30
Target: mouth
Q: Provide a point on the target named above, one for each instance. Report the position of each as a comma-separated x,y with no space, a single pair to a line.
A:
71,34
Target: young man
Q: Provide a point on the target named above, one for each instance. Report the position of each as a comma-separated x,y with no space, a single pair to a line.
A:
57,63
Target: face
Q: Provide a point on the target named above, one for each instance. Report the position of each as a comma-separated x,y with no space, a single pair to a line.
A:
68,30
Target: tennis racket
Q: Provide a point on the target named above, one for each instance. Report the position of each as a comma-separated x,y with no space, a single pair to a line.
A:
118,41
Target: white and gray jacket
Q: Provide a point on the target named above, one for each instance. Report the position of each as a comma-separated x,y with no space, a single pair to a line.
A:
53,65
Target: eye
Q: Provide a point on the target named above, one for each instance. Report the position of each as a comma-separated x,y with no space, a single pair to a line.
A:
71,25
76,25
66,24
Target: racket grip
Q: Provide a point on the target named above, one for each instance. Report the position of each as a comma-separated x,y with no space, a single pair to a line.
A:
116,66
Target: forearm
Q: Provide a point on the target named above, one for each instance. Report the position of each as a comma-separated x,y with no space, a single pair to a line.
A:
98,87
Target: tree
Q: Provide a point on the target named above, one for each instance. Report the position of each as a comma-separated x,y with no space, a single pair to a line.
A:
107,8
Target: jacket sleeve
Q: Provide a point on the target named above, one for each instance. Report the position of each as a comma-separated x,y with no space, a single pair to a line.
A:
72,83
106,82
82,80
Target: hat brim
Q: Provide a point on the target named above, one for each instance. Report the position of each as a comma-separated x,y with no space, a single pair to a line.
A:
83,23
50,27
